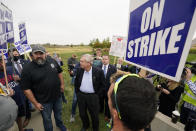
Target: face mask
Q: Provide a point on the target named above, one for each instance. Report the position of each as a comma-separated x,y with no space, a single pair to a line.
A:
16,58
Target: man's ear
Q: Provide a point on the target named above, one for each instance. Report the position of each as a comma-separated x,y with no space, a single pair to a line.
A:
115,114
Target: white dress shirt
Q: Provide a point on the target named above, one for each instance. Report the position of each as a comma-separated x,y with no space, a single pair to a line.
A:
87,82
106,68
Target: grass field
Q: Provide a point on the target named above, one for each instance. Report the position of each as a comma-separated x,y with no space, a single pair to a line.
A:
65,53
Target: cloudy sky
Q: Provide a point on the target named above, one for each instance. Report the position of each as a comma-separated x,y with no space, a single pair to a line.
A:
70,21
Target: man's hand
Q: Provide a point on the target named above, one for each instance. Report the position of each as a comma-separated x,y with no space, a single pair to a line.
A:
11,91
188,74
60,75
29,94
39,106
62,88
16,77
71,72
165,91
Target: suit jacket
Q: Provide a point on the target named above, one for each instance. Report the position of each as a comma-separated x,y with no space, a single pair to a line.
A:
97,78
22,62
111,70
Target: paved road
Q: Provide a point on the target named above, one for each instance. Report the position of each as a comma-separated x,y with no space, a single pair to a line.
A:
36,122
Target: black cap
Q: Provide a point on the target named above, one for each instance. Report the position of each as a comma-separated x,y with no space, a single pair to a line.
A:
38,48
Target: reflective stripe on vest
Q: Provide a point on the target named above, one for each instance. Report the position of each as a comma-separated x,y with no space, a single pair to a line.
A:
193,97
189,96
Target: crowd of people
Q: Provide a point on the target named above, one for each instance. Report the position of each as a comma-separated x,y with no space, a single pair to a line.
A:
38,82
173,96
125,94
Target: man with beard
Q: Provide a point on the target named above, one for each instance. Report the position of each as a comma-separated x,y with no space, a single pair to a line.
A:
42,82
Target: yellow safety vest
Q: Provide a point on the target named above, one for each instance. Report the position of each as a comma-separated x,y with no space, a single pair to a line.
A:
188,95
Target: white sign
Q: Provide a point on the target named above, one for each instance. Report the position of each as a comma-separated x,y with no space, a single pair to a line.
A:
23,33
22,49
6,27
118,46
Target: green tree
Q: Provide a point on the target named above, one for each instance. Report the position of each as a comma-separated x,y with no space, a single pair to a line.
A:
92,42
95,43
106,43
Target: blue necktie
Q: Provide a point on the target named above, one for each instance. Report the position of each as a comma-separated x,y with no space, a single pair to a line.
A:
104,70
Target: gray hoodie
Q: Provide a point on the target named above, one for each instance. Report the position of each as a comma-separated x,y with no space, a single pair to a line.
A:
8,112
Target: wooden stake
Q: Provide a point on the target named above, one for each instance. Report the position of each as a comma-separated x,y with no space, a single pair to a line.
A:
115,60
29,57
4,68
24,51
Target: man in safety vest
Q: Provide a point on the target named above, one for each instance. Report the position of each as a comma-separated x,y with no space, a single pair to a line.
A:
188,109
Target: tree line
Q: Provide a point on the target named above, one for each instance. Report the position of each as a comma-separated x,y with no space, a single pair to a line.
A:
96,43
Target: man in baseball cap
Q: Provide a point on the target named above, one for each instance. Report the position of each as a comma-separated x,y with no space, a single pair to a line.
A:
39,55
43,84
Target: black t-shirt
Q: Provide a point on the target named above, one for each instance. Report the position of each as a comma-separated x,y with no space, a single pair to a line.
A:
42,80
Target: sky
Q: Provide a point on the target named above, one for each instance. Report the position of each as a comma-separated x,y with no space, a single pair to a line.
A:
70,21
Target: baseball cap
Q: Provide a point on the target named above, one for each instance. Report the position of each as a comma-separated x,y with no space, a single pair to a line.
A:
38,48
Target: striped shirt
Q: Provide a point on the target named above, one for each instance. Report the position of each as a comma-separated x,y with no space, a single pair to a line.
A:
192,87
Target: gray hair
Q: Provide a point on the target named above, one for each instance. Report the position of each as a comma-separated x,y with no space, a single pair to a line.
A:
88,58
120,58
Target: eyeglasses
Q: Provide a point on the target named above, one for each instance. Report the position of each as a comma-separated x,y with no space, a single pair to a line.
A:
119,80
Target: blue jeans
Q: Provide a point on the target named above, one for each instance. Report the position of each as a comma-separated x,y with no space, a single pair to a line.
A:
56,107
74,104
72,80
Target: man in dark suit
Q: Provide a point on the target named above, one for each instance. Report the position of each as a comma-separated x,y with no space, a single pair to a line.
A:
89,83
108,70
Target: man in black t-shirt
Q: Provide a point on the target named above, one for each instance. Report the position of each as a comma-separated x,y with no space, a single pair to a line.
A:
42,82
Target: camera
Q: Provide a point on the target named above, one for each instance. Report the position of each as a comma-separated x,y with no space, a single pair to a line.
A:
184,73
160,86
193,68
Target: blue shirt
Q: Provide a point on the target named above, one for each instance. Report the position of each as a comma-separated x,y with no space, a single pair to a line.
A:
87,82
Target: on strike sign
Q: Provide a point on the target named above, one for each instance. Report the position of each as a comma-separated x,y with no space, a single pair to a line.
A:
160,35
